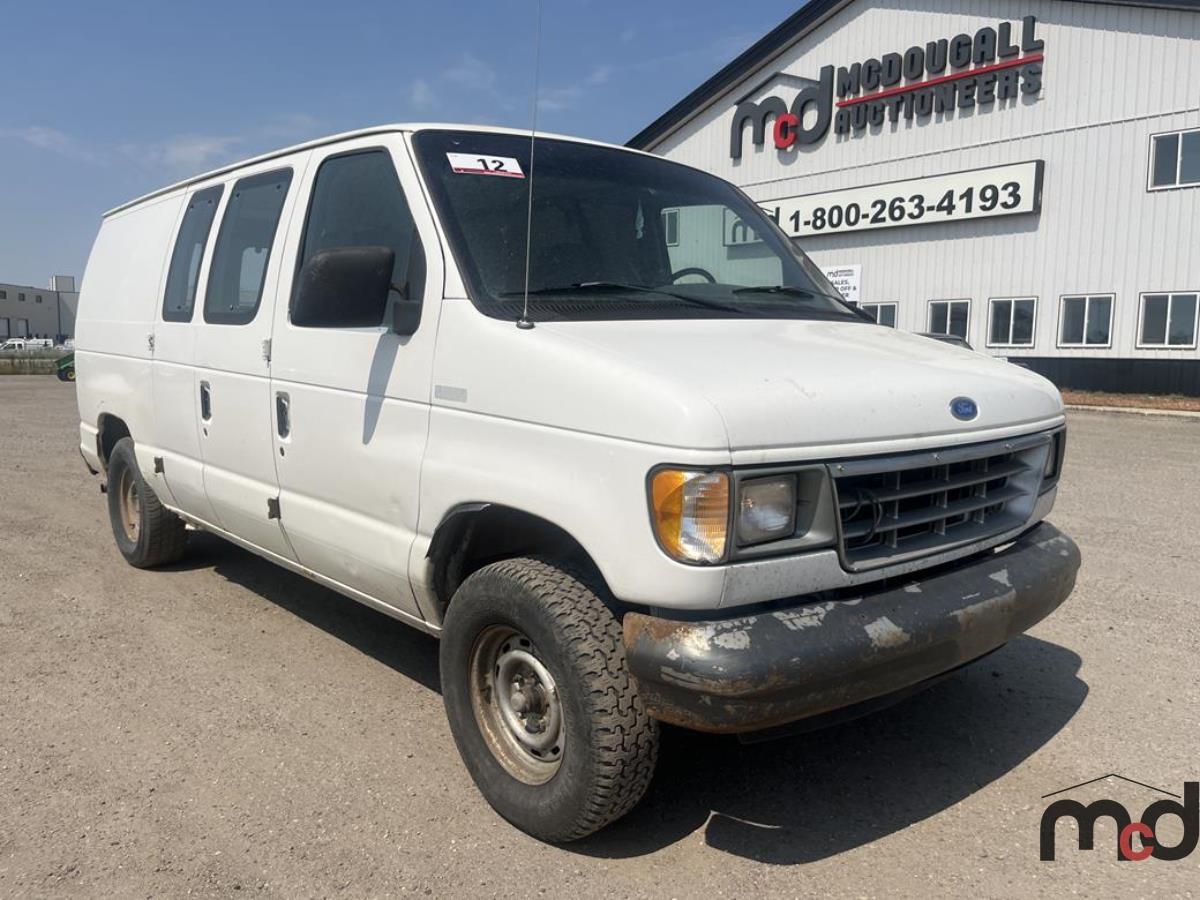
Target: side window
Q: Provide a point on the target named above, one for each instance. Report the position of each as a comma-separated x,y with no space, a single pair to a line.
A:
1174,160
239,265
1011,322
182,277
883,313
949,317
357,201
671,227
1085,321
1168,320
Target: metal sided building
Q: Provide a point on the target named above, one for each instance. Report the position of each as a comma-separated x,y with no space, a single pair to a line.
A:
1022,173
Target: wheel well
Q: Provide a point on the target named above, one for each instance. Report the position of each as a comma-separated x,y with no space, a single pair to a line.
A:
112,430
473,535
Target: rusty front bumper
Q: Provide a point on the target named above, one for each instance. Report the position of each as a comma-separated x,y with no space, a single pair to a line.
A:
772,668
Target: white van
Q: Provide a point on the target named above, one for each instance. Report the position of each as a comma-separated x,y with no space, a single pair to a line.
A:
630,473
18,345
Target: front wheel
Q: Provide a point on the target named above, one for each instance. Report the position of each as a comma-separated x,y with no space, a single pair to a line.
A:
541,705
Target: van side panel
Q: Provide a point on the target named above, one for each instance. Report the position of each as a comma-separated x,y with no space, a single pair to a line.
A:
119,296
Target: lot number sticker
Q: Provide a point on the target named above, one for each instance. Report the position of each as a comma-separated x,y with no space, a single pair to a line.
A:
477,164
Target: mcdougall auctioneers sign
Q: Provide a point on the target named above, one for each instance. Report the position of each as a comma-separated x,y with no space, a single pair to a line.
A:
951,73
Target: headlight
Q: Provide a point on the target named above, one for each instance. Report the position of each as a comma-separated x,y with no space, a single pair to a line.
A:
691,513
766,509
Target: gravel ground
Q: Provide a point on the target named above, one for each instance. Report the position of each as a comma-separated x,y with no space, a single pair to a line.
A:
1169,402
226,728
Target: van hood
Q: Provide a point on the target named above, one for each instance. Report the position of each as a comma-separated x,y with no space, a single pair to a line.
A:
788,383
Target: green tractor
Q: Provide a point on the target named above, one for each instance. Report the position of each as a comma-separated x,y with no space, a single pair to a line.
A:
65,368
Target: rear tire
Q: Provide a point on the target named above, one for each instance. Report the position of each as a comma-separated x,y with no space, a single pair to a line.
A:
147,533
571,749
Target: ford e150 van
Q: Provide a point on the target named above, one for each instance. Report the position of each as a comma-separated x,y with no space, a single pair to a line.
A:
627,471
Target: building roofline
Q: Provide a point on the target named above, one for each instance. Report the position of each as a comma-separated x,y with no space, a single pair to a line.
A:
778,39
771,44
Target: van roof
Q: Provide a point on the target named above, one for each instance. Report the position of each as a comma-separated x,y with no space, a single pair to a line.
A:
348,135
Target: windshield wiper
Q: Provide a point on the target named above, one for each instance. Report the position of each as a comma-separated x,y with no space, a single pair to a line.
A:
794,291
617,286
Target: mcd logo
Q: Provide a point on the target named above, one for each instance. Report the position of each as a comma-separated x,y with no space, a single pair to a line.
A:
995,65
1136,839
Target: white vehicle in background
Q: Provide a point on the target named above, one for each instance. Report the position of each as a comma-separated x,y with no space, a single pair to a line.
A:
17,345
626,473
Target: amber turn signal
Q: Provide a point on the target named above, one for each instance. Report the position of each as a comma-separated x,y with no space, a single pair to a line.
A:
690,510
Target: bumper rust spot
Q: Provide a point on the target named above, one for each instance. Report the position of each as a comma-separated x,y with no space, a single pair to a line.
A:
752,672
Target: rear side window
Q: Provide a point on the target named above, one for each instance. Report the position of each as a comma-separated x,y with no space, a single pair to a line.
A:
239,265
357,201
184,274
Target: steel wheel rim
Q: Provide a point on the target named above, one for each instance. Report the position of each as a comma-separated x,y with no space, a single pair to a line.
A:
130,505
517,705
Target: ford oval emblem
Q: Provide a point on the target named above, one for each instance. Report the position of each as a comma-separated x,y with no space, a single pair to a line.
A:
963,408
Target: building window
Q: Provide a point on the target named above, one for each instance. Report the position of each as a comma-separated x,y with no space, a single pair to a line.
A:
3,295
883,313
1085,321
21,298
1174,159
1168,320
671,226
37,298
1011,322
949,317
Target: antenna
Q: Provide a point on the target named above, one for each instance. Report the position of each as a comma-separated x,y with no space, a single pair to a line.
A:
523,322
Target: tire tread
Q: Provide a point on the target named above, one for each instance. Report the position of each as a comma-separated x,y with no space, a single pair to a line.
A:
164,533
626,736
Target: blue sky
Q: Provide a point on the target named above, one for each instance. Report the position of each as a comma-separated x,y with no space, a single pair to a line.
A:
101,102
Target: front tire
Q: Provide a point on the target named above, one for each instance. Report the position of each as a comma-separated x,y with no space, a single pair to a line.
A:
540,701
147,533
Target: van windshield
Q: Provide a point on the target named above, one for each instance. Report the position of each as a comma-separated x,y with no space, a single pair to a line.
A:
616,235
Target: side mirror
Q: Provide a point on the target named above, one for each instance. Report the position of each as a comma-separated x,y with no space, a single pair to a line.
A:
344,287
406,314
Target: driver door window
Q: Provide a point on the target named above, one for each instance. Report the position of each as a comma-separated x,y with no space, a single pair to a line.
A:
357,202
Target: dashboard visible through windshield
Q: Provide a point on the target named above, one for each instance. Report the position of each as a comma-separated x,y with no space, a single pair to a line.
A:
615,235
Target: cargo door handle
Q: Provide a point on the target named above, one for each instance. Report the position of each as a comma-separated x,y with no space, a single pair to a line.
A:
283,414
205,401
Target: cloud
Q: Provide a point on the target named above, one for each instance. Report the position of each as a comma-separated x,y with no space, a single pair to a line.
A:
180,154
42,137
472,72
557,99
599,75
192,152
421,94
291,126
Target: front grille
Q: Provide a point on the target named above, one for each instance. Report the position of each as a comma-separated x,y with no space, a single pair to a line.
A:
901,507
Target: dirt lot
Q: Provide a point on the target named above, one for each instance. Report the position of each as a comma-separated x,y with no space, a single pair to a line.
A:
227,728
1174,402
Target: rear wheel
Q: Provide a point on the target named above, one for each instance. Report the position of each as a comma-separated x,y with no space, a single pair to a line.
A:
147,533
540,702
